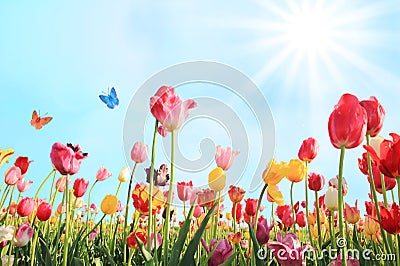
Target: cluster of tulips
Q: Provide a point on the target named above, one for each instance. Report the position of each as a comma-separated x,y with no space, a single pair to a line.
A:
34,231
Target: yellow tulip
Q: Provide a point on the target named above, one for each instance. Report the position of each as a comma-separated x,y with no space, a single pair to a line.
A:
274,195
296,170
229,216
109,204
200,220
371,229
217,179
274,172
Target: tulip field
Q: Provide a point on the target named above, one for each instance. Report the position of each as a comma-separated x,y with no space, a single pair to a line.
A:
143,227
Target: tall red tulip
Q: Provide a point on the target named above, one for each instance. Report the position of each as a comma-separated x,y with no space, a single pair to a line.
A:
390,219
168,108
22,163
316,182
347,124
251,207
80,187
25,207
308,150
66,159
376,115
43,212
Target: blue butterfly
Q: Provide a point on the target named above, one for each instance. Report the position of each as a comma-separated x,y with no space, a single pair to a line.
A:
111,99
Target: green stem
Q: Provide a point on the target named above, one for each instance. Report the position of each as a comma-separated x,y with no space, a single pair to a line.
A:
291,202
398,187
258,206
217,216
307,210
375,197
151,185
132,252
234,217
66,242
385,201
4,196
94,227
170,192
88,202
44,182
332,228
340,200
126,210
318,220
33,247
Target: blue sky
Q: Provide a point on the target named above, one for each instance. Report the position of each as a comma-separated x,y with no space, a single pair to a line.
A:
57,57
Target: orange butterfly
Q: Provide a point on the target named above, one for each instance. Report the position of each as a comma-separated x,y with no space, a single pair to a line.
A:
39,122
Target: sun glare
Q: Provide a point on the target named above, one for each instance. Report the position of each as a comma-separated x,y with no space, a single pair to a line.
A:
308,31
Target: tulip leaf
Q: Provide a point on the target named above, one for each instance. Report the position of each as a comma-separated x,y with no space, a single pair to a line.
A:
229,260
76,262
177,248
256,246
45,252
146,254
104,251
188,257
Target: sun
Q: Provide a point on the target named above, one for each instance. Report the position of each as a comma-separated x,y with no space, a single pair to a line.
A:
308,31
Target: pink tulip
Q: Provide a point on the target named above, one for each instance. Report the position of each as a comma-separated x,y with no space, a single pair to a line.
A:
60,184
263,230
12,175
168,108
139,152
334,182
80,187
23,186
102,174
25,207
288,250
162,131
184,190
93,234
158,240
23,234
198,211
225,157
61,208
120,207
66,159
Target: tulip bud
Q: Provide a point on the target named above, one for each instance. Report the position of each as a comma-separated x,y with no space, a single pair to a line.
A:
43,212
139,152
23,234
124,174
25,207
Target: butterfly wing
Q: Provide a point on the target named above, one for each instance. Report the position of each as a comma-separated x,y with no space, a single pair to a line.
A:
107,100
34,118
44,121
113,96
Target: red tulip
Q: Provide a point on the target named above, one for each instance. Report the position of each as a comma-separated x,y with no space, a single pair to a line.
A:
239,212
23,164
251,207
225,157
376,115
139,152
205,197
390,183
390,219
301,219
25,207
236,194
316,182
138,233
347,124
80,187
390,157
308,150
168,108
43,212
351,214
66,159
184,190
